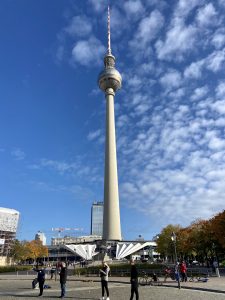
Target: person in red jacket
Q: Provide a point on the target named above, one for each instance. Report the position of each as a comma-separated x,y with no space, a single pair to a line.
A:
183,271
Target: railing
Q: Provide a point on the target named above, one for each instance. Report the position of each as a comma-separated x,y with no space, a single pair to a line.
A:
159,272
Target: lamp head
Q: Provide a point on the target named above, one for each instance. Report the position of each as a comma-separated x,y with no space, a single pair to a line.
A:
173,236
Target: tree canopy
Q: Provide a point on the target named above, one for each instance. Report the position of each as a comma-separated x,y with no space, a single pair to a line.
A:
24,250
202,239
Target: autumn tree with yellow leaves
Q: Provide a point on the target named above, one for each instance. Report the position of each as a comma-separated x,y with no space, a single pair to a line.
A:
24,250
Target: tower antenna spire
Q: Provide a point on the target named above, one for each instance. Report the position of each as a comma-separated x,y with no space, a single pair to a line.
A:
109,51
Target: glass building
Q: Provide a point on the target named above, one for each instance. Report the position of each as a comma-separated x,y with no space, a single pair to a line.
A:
97,218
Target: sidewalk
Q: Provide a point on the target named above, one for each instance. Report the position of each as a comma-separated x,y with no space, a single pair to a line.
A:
214,284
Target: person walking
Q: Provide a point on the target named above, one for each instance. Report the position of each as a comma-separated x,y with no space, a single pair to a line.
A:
53,270
168,273
134,280
183,271
104,273
41,280
62,279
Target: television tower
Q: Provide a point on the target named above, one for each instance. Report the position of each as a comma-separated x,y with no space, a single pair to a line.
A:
109,81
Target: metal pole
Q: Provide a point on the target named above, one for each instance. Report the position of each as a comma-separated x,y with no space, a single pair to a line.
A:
173,238
177,266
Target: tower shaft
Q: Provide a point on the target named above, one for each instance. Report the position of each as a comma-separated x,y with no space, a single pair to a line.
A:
111,218
110,81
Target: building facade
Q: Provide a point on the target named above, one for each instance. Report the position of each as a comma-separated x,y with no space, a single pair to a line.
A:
74,240
97,210
40,236
9,219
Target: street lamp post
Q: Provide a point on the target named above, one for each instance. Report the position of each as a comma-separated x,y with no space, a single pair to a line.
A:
215,261
173,238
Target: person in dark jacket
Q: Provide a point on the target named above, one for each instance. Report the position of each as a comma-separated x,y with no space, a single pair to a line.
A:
134,280
53,270
63,278
41,280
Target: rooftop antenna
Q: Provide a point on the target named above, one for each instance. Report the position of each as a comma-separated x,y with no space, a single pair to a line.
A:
109,52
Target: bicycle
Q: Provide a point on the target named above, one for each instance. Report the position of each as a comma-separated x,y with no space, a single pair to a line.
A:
170,275
145,279
198,279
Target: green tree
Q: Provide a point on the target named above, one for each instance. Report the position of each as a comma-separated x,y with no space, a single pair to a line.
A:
19,251
165,245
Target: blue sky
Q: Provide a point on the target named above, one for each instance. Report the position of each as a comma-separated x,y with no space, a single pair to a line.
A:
170,113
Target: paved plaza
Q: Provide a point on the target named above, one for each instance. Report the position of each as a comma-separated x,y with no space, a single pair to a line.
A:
19,287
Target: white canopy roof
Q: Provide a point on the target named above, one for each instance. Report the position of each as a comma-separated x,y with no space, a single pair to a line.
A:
125,249
85,251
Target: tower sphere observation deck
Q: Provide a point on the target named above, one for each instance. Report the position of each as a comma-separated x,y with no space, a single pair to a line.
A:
109,77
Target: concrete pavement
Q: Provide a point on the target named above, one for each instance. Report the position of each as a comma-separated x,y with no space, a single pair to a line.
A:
19,287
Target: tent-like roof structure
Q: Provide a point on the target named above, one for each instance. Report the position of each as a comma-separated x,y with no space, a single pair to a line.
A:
85,251
125,249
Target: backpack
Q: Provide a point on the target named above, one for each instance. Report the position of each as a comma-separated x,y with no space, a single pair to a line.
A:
34,283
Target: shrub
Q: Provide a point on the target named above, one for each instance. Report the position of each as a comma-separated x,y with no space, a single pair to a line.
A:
120,269
7,269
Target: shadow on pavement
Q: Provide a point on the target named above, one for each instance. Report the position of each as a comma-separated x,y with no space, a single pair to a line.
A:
197,289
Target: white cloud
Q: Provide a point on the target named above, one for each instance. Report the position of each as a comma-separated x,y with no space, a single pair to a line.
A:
133,8
99,5
88,52
184,7
220,89
218,38
79,26
18,154
94,134
180,39
134,82
213,62
171,80
207,16
122,120
118,22
222,2
216,144
199,93
179,93
147,30
219,106
216,60
141,108
59,166
194,70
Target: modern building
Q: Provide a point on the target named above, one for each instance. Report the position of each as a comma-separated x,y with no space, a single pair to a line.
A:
40,236
67,240
9,219
110,81
97,218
